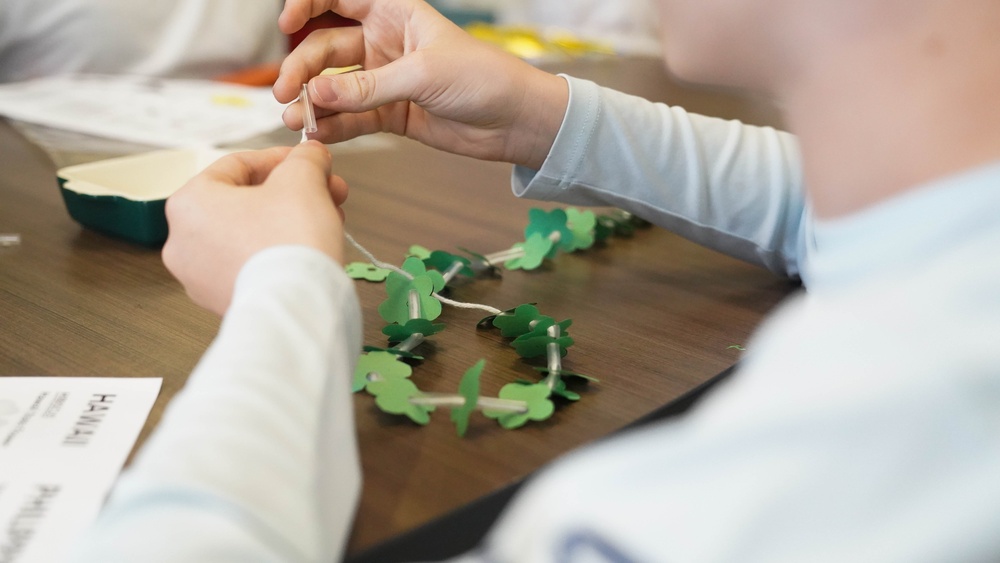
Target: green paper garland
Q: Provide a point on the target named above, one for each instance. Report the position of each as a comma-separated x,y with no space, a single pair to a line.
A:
412,304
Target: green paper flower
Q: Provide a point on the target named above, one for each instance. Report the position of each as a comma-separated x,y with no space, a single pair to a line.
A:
394,351
517,321
385,364
604,228
545,223
535,343
419,252
567,373
536,249
392,395
582,224
468,388
537,398
399,333
486,322
366,271
490,269
442,261
559,389
396,308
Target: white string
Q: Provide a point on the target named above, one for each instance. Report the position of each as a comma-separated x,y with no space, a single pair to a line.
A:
386,266
371,258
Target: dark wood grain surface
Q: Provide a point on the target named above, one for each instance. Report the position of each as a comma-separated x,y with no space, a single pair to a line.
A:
654,315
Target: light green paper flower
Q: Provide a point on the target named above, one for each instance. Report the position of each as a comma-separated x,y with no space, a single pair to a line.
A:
386,365
537,398
366,271
468,388
582,224
536,249
393,396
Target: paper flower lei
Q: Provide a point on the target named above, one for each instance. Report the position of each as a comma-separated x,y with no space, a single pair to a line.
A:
414,301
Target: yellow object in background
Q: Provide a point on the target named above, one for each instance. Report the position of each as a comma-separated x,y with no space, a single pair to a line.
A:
231,100
340,69
528,43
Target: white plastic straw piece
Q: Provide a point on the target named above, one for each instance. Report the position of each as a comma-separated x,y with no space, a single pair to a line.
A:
308,112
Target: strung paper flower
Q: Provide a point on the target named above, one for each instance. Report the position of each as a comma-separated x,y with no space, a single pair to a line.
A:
567,373
623,227
481,262
419,252
581,223
518,321
399,333
394,351
604,228
618,223
535,343
392,395
366,271
536,249
396,308
468,388
558,389
442,261
545,223
384,364
537,398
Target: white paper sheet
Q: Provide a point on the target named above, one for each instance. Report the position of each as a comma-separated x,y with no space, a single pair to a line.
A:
152,111
63,441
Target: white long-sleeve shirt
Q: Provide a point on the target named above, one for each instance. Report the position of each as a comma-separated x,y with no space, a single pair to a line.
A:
863,424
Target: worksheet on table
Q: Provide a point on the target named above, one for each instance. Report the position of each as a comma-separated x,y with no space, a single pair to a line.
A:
63,441
153,111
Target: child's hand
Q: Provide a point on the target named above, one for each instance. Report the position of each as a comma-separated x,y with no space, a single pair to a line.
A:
246,202
423,78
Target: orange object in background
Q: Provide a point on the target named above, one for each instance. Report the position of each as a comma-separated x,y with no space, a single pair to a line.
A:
266,74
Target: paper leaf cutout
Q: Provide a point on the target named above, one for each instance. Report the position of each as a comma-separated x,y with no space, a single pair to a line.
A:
386,365
442,261
537,398
545,223
518,321
399,333
536,249
582,224
366,271
393,396
419,252
468,388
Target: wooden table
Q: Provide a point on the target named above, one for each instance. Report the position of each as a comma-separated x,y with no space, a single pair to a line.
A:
654,315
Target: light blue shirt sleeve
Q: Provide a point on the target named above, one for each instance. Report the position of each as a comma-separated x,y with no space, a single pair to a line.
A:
731,187
255,460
